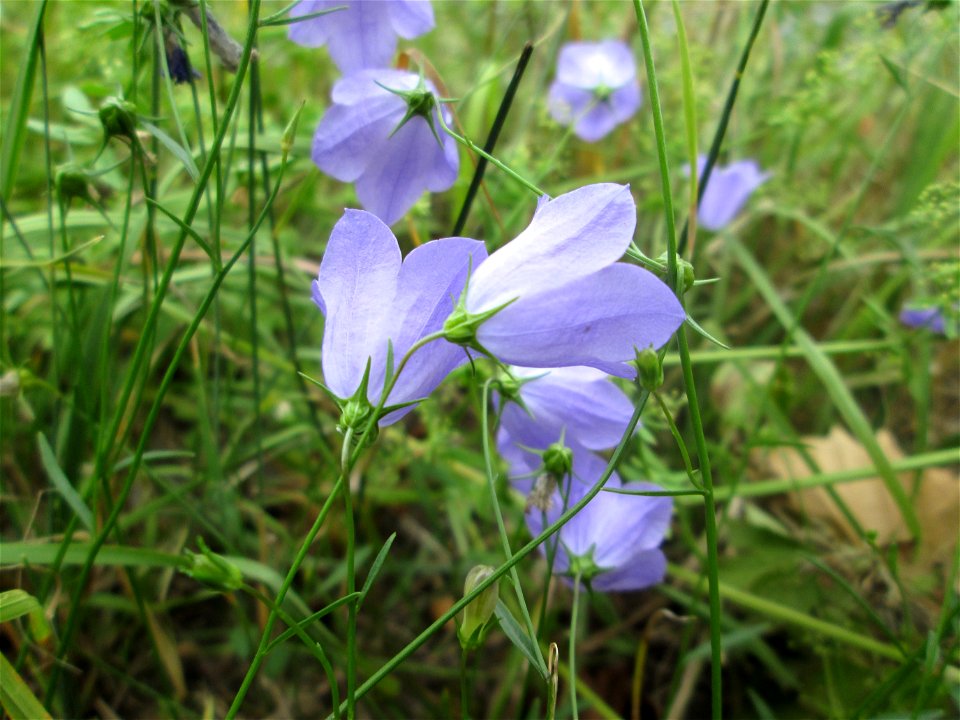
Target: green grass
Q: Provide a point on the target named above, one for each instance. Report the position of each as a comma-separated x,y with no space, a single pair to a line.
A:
154,329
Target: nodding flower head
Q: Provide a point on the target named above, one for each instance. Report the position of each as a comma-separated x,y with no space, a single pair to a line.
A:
595,88
381,134
377,306
556,296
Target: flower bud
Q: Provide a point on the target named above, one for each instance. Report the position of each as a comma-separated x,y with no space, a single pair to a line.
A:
685,275
354,415
72,182
477,614
650,370
119,118
558,460
212,569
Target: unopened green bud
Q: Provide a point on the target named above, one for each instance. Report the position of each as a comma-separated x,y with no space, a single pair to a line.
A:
355,415
72,182
649,370
685,275
477,614
558,460
290,132
119,118
213,570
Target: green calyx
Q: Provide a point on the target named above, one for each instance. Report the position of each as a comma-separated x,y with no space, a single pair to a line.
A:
649,369
420,103
558,460
119,118
213,570
461,326
584,566
602,93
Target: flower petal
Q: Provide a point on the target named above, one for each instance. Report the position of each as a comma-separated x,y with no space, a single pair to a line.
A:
349,138
567,103
570,237
431,278
728,190
356,285
361,37
315,31
641,570
579,403
607,64
596,321
411,162
411,18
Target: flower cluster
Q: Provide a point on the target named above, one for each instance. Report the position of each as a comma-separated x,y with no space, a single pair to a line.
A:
555,297
381,130
595,88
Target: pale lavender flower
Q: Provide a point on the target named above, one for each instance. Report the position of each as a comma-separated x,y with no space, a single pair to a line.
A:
370,298
358,141
555,296
595,88
728,190
364,34
931,318
576,404
614,541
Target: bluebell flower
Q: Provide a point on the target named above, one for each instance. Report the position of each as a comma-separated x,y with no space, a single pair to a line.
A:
370,299
931,318
728,190
595,88
614,541
575,404
362,138
556,296
364,34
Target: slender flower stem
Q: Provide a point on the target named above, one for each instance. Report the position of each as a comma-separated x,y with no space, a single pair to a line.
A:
351,588
710,520
501,527
498,122
464,685
573,647
512,173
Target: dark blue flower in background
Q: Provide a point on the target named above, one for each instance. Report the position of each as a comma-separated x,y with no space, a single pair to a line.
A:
364,34
360,139
595,88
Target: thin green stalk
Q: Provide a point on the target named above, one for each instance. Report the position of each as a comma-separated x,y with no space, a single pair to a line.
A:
464,683
350,528
491,143
140,350
725,114
254,100
512,173
572,682
278,602
498,514
710,520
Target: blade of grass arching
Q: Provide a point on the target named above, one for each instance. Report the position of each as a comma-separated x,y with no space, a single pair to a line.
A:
725,114
690,121
16,697
703,456
833,382
491,143
18,110
62,484
145,340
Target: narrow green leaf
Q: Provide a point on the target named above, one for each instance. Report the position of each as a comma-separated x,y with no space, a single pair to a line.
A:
173,146
19,108
375,568
700,331
47,262
17,699
62,484
511,628
189,231
16,603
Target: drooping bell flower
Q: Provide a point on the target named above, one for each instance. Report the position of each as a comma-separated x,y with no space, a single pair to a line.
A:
595,88
727,191
574,404
374,302
613,543
556,296
363,34
381,134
